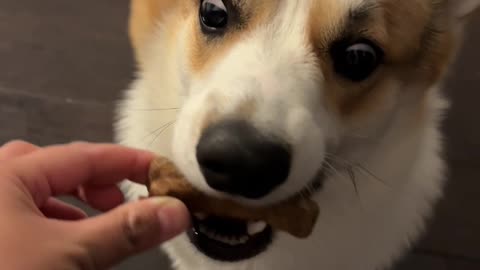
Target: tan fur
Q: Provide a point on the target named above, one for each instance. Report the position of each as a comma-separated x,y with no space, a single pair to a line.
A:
205,52
326,21
411,51
244,110
404,23
145,15
416,48
247,108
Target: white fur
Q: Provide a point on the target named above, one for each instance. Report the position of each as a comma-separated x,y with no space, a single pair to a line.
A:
401,173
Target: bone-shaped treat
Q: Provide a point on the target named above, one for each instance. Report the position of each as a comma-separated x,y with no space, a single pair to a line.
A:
296,216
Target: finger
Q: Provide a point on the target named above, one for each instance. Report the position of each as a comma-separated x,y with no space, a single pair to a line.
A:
60,170
130,229
15,149
54,208
103,198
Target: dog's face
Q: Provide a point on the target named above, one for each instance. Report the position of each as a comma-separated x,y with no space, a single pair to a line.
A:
271,91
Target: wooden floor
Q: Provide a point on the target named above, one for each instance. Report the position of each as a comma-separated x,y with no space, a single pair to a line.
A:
64,63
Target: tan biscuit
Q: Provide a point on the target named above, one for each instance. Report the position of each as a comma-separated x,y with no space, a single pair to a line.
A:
296,216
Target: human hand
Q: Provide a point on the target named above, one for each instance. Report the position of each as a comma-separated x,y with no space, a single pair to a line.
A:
39,232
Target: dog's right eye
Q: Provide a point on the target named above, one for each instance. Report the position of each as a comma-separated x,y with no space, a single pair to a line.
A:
356,61
213,15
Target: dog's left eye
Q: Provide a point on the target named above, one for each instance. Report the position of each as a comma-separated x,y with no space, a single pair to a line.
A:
356,61
213,15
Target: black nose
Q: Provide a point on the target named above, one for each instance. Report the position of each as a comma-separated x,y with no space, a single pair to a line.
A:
236,158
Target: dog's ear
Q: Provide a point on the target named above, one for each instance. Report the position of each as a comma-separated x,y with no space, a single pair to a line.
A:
462,9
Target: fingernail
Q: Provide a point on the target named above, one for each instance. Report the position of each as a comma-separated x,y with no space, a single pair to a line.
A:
173,216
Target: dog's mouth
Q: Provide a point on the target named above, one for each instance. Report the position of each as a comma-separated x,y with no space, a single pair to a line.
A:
227,239
232,240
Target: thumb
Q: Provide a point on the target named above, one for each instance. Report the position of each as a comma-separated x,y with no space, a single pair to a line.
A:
131,229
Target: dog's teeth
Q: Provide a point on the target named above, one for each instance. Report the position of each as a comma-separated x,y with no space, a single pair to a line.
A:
203,229
223,239
243,239
253,228
233,241
200,216
256,227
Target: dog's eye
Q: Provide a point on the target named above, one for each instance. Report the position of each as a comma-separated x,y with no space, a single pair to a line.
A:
356,61
213,15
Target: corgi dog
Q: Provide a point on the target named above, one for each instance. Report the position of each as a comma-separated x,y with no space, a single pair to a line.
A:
259,101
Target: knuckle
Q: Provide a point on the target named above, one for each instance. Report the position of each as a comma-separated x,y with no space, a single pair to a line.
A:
18,144
15,149
80,258
130,230
86,262
136,228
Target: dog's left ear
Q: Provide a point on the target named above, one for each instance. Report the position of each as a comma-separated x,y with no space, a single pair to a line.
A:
462,9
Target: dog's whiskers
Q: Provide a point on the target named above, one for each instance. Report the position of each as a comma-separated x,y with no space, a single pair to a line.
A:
365,170
314,186
350,165
349,172
329,168
161,130
159,109
153,132
352,175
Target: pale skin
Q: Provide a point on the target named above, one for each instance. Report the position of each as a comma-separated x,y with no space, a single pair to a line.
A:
38,231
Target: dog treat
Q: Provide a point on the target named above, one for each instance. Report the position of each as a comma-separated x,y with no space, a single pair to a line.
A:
296,216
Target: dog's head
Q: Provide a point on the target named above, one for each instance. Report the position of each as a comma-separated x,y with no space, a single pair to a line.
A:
272,91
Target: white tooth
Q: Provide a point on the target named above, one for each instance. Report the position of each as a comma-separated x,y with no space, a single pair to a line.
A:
232,241
207,232
224,240
203,229
217,237
200,216
243,239
256,227
227,239
211,235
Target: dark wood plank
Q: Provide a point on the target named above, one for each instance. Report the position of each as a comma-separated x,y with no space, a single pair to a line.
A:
421,262
69,49
46,121
462,265
455,230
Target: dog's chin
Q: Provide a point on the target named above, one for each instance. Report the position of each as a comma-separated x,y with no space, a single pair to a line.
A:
230,240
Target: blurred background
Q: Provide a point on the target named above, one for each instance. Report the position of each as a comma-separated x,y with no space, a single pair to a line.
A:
63,65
